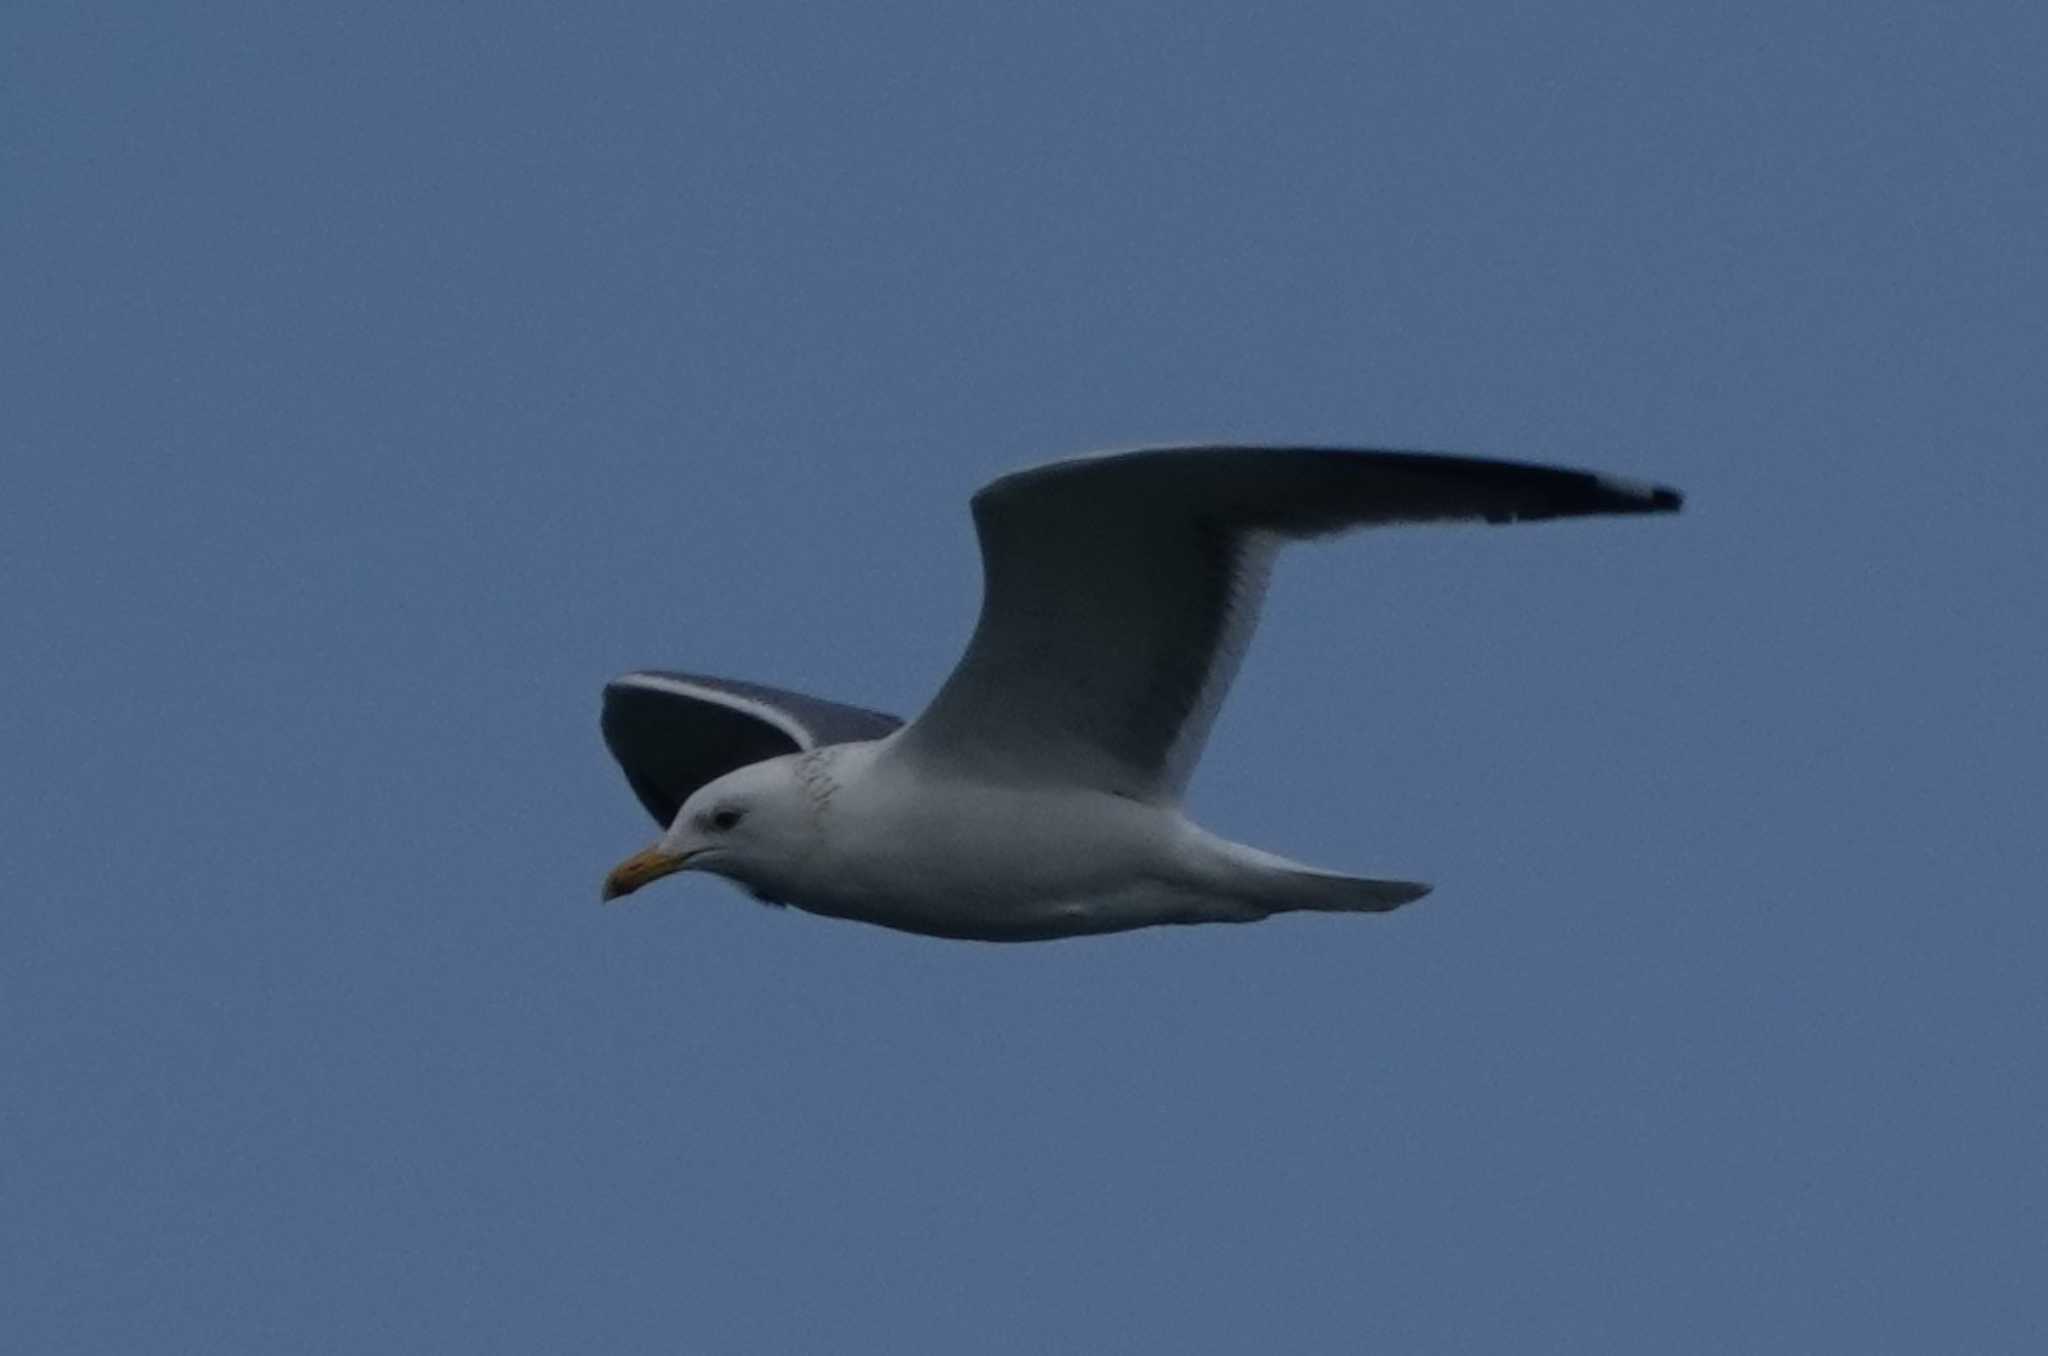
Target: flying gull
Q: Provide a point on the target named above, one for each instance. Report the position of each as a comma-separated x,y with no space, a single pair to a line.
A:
1039,794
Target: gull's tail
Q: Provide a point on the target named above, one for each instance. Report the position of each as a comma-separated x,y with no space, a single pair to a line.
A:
1329,893
1262,883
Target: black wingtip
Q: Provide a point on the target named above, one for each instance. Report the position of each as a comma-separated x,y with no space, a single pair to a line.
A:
1637,496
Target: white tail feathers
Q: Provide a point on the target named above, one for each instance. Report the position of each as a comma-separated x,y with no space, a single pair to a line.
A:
1271,884
1329,893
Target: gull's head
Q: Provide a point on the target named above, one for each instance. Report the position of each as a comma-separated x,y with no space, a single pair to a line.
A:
748,826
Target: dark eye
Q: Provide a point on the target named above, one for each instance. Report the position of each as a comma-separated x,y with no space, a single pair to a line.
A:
725,819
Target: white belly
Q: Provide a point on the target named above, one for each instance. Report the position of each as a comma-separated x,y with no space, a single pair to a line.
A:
1000,864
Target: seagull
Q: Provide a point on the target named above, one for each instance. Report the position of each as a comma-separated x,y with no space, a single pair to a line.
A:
1039,794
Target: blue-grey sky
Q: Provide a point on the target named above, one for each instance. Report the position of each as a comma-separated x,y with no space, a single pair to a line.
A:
380,380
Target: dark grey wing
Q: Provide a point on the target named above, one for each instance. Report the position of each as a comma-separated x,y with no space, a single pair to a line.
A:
673,732
1119,593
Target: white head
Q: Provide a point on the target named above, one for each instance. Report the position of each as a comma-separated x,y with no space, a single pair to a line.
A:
749,825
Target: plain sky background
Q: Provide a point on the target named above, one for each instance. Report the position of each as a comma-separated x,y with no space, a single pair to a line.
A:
379,380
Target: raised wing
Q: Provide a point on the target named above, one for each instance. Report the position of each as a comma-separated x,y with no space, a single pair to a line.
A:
1119,593
673,732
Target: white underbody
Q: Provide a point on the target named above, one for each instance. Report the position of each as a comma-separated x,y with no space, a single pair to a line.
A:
969,859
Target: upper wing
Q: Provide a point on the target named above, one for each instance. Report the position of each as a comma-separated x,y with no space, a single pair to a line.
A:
1119,593
673,732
